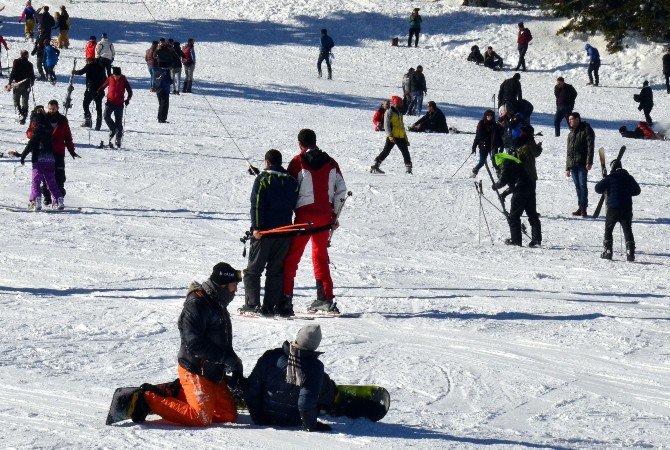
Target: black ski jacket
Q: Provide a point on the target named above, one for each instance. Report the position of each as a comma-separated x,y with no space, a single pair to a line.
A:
646,98
565,96
22,69
435,122
272,401
40,144
510,90
488,136
666,64
620,187
273,199
581,141
95,75
417,82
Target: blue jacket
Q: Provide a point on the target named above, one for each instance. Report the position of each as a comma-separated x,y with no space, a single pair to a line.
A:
272,401
327,44
621,187
594,54
51,56
273,199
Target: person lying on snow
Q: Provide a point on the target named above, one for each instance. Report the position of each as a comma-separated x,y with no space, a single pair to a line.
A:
643,131
433,122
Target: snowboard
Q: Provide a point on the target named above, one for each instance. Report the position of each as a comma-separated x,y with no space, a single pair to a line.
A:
603,167
125,399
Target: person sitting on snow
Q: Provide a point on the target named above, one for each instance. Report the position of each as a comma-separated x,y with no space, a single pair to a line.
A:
476,55
433,122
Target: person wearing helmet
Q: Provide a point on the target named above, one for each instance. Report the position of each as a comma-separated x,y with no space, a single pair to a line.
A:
395,135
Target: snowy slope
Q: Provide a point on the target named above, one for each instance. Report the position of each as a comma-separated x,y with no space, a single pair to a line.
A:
479,344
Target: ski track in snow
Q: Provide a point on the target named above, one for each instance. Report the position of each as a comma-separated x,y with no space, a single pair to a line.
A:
479,345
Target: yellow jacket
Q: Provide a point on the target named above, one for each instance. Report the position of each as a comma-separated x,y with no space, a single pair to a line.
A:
393,124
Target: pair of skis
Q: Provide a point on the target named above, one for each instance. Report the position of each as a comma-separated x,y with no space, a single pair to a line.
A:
603,168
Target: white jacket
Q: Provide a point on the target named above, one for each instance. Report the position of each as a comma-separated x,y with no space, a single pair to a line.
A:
105,49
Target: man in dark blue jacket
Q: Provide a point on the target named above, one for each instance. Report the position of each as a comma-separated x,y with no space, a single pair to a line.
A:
286,388
646,100
326,46
620,187
273,199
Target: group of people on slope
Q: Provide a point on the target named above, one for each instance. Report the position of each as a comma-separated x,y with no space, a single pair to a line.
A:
46,23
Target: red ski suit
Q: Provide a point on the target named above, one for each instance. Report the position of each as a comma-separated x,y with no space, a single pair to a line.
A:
321,187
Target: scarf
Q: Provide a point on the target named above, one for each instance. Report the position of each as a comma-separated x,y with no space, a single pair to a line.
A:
294,373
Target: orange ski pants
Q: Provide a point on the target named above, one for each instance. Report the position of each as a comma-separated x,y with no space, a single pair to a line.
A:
200,402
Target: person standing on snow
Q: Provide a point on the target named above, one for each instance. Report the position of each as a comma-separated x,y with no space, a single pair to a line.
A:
51,55
646,100
118,86
326,45
666,69
594,63
89,48
487,139
3,43
175,70
152,64
565,102
63,25
22,77
189,65
38,52
46,21
29,15
320,198
395,135
418,89
162,87
414,27
95,77
104,51
510,91
523,39
579,160
205,354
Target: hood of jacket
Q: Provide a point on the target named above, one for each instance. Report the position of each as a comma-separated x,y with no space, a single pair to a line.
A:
315,158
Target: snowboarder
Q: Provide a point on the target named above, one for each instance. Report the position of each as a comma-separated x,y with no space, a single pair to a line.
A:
487,139
95,77
492,60
38,52
433,121
104,51
565,102
594,63
118,85
326,45
414,27
620,187
646,100
523,39
51,55
29,15
395,135
418,89
63,25
189,64
89,48
162,87
152,64
579,160
378,118
205,354
21,80
175,72
510,91
518,172
273,199
666,69
476,55
288,384
322,190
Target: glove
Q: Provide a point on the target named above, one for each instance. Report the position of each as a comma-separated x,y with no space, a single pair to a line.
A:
74,155
126,102
320,427
234,364
253,170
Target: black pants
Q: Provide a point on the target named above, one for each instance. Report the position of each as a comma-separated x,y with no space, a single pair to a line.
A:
647,111
115,126
524,200
163,105
522,57
402,145
594,67
107,64
495,65
93,96
413,32
667,81
39,62
324,57
265,254
625,218
60,179
562,112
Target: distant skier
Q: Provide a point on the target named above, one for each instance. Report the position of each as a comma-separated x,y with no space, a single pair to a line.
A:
579,160
162,86
95,77
620,187
492,60
51,55
3,43
418,89
152,64
89,48
38,52
510,91
487,140
378,118
289,386
476,55
189,64
63,25
594,63
395,135
326,45
21,81
433,121
104,51
414,27
273,199
118,86
523,39
565,102
666,69
646,100
29,15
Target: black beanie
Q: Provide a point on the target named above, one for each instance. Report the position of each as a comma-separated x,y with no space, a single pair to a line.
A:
223,273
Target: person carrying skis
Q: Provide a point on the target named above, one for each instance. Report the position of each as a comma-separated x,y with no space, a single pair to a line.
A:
162,87
104,51
29,15
395,135
666,69
510,91
646,100
89,48
205,354
579,160
21,81
523,39
51,55
289,384
414,27
594,63
273,199
95,77
565,102
326,45
320,197
487,139
189,65
620,187
118,86
433,121
418,89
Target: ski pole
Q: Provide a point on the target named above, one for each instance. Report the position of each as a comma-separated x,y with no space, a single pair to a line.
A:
480,190
494,102
459,167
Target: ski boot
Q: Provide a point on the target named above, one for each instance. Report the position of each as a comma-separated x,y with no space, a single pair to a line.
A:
578,212
535,243
630,251
253,310
408,169
324,306
117,142
35,205
510,241
285,309
375,169
88,122
607,250
59,204
474,173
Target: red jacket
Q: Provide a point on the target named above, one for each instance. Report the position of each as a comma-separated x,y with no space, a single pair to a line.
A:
524,37
378,119
116,89
90,49
61,136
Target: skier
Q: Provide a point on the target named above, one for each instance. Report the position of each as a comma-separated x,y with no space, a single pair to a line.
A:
523,39
492,60
378,118
175,72
288,384
476,55
594,63
322,190
51,55
395,135
95,77
89,48
205,354
273,199
29,15
487,139
519,173
104,51
21,80
189,64
620,187
63,25
118,85
61,137
162,88
414,27
38,52
406,89
152,64
579,161
43,163
646,100
46,21
326,45
417,87
433,121
666,69
510,91
3,43
565,102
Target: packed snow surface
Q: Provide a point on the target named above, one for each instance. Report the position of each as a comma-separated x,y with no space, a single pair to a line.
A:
478,344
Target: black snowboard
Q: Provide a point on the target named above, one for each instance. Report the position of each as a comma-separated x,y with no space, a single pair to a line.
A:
125,399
